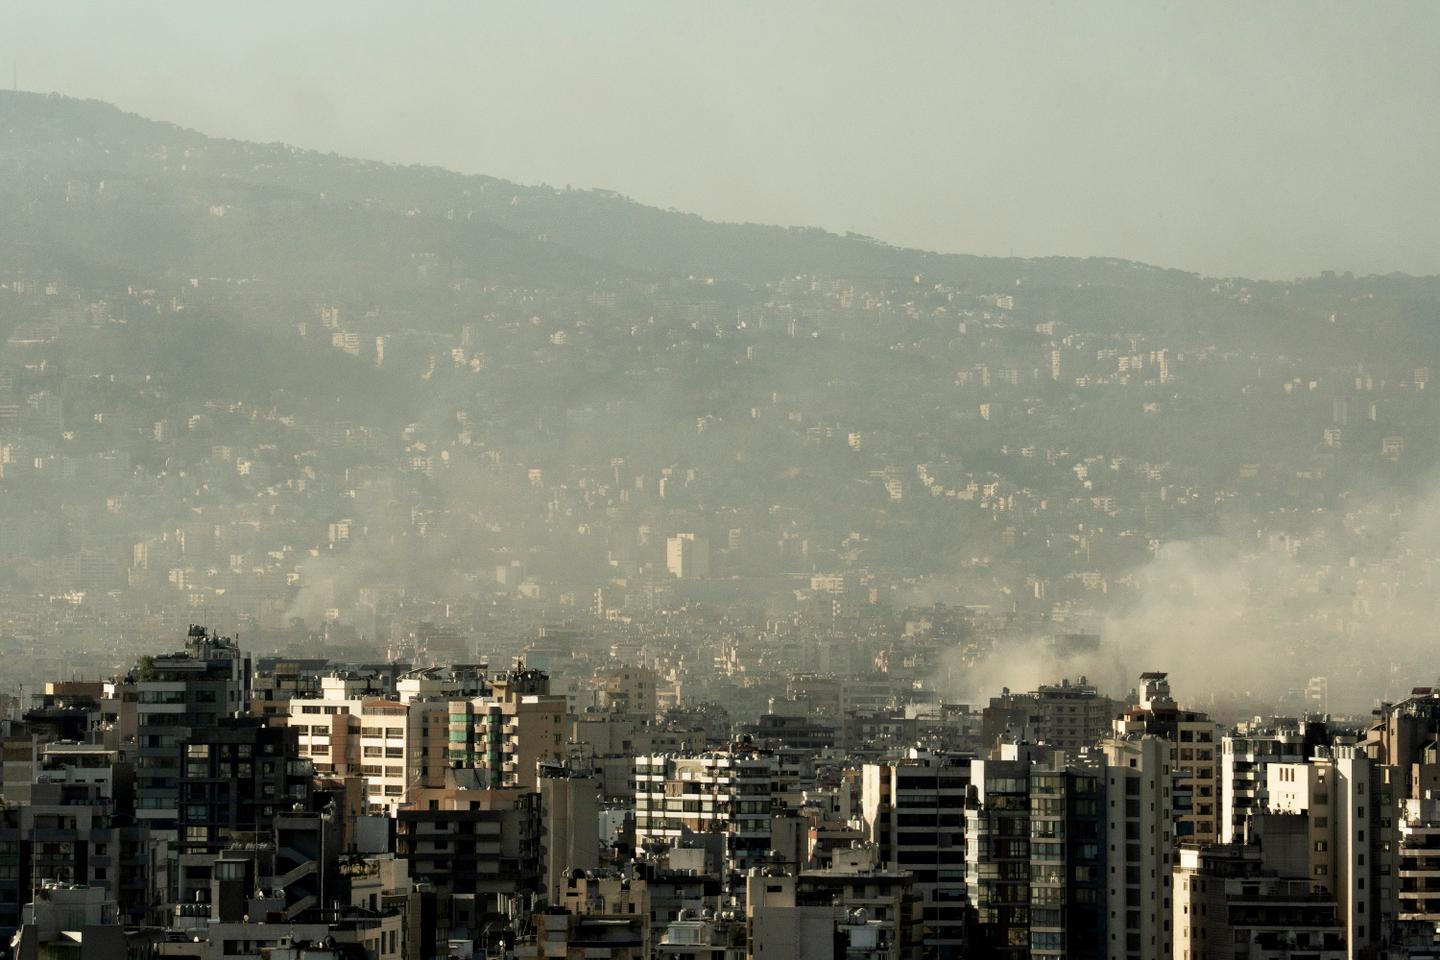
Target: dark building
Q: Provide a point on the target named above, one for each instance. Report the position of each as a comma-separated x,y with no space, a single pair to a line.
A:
776,731
484,845
1067,859
997,853
914,811
14,868
179,695
236,776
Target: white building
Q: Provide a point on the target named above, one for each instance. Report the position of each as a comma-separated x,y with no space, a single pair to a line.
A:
1243,759
687,556
1350,804
1139,848
398,744
721,792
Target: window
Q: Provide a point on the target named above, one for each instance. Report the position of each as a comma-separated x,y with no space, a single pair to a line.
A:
229,870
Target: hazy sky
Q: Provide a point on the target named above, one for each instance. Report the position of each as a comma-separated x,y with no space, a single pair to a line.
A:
1261,139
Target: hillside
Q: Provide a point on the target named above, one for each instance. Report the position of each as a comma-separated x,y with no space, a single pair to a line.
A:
298,384
170,177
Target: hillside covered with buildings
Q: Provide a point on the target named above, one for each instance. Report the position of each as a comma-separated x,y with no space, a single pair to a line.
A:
401,563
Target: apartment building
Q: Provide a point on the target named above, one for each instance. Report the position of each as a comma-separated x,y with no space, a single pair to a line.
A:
722,792
913,812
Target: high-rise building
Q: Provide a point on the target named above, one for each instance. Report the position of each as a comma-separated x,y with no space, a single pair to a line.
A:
15,885
569,824
1420,861
236,776
480,844
629,689
1193,739
1350,803
1229,905
177,695
90,790
687,556
1403,733
1065,716
1245,754
1067,857
398,742
914,813
997,852
509,730
75,838
1035,854
724,792
1138,847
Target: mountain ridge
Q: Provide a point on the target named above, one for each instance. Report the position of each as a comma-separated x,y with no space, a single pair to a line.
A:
597,223
513,233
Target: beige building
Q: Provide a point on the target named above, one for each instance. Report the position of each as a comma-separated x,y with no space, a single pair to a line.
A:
609,743
1228,906
509,730
398,745
687,556
1193,740
569,825
629,689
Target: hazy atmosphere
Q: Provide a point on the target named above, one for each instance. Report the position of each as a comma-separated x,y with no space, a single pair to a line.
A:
1229,139
725,481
